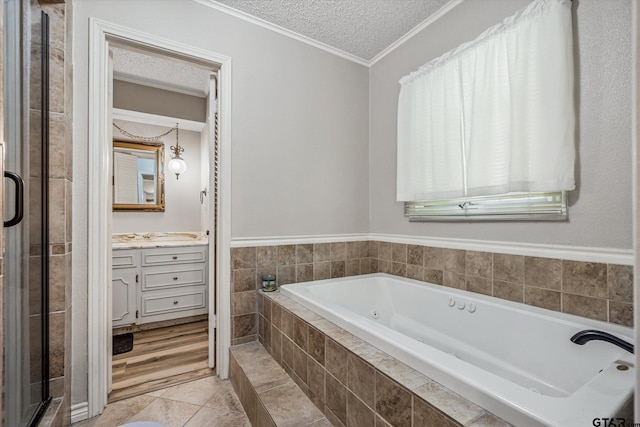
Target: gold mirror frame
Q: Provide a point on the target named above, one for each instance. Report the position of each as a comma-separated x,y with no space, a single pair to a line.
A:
158,148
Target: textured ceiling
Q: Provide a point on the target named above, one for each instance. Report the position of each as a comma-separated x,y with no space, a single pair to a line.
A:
363,28
159,71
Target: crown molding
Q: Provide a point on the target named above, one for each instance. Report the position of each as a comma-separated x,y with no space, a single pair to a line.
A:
338,52
415,30
281,30
572,253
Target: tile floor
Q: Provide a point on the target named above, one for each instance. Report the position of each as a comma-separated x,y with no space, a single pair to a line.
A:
207,402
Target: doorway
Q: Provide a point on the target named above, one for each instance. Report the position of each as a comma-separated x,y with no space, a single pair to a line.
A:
164,115
103,37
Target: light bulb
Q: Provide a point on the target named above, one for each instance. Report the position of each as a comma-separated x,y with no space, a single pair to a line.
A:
177,166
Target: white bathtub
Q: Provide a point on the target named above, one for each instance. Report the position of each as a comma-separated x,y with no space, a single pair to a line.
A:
512,359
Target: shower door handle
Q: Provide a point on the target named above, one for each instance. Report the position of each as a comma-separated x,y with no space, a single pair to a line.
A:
19,198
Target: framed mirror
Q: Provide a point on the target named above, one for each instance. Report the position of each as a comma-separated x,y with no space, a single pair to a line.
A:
138,176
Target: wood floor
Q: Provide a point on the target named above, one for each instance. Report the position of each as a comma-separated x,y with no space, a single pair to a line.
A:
161,357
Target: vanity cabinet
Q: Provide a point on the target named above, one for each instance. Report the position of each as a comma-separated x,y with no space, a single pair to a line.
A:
154,284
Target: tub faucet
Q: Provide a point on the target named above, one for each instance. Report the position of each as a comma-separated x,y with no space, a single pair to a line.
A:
592,334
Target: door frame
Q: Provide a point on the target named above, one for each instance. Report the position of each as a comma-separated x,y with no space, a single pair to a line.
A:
101,34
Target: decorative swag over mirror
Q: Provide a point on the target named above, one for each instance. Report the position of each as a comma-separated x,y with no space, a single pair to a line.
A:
495,115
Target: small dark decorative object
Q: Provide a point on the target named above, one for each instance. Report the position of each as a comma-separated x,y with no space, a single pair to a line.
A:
122,343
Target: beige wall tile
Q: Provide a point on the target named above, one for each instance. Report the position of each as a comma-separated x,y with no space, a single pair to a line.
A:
316,345
399,252
360,379
399,269
337,269
479,264
321,270
479,285
426,415
453,260
336,398
433,258
415,255
508,268
384,251
321,252
393,402
336,360
436,276
304,254
415,272
454,280
244,302
338,251
243,258
508,291
244,325
584,278
358,414
243,280
543,273
304,272
352,267
354,250
286,274
593,308
57,211
286,254
620,281
316,375
266,256
543,298
621,313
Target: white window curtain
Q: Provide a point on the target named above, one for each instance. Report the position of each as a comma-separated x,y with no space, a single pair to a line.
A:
495,115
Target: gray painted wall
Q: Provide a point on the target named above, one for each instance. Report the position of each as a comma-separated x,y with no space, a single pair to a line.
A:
135,97
299,132
600,209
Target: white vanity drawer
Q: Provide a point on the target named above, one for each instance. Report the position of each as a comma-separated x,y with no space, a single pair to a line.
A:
124,258
172,276
154,303
176,255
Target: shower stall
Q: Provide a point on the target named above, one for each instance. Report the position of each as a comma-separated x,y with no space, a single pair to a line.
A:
26,214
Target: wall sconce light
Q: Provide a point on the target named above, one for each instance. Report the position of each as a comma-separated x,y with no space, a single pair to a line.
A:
177,165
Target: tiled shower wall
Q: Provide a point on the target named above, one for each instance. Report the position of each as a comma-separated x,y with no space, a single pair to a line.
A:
60,184
594,290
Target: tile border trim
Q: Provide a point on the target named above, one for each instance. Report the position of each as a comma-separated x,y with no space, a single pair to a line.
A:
565,252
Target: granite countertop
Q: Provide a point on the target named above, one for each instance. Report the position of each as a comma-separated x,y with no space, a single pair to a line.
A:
158,240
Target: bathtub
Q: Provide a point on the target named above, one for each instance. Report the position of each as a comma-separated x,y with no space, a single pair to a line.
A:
512,359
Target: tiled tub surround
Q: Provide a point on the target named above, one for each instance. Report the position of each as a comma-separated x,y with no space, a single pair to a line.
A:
268,395
513,360
352,382
593,290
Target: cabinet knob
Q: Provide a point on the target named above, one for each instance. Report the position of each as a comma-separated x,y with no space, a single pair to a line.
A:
175,278
175,302
175,257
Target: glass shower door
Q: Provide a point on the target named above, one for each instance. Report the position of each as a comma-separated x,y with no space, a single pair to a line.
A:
26,262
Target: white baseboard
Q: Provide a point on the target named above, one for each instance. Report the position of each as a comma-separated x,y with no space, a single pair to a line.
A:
573,253
79,412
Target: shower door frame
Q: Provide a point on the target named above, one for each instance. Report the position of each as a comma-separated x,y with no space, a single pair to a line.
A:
101,33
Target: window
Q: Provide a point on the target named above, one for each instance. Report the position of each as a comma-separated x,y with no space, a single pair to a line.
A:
490,125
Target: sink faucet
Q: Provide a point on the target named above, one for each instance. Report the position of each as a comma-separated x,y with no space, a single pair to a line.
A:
591,334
